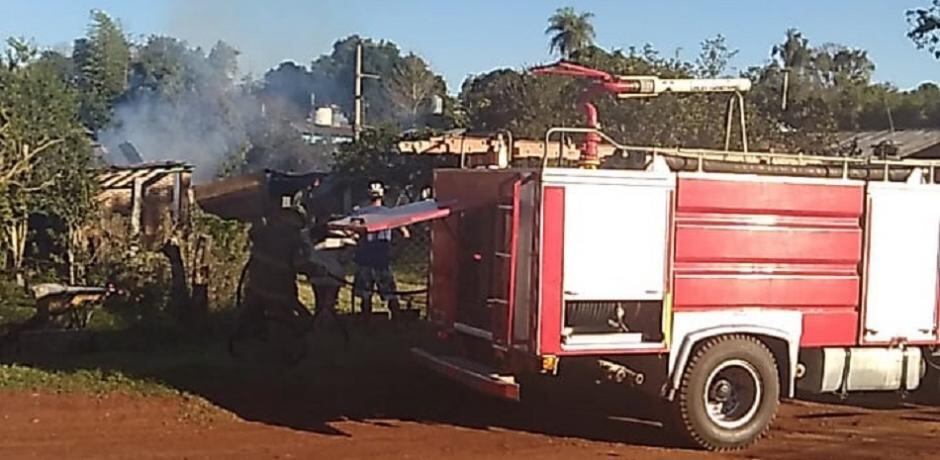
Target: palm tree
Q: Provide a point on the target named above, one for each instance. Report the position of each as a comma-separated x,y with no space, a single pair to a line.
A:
794,52
570,31
793,55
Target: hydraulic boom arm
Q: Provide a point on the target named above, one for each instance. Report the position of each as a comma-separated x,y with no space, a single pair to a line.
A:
625,87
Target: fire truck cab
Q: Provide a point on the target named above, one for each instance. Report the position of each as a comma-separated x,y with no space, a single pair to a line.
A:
719,292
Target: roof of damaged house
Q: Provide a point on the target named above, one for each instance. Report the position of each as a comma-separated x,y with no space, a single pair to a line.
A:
247,196
486,143
306,127
909,143
124,176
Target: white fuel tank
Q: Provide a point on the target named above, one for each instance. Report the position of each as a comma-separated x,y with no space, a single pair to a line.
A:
830,370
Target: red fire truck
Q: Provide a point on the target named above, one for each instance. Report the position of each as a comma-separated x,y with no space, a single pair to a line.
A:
720,282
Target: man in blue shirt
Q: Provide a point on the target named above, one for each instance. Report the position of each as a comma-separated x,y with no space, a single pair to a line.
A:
373,260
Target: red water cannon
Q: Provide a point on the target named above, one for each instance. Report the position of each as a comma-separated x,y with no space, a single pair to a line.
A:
625,87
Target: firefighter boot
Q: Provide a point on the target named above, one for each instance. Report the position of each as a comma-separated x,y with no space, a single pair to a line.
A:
366,307
394,309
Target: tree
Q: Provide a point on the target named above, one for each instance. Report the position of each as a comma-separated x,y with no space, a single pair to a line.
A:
286,91
411,86
570,31
223,62
838,66
44,152
376,157
529,105
102,60
925,27
794,53
520,102
277,144
334,78
385,101
182,105
164,66
714,57
59,64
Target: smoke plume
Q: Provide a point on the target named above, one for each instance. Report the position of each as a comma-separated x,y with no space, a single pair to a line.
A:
210,120
191,130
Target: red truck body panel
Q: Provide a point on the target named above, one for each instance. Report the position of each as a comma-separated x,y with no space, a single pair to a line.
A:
733,242
795,244
730,244
552,261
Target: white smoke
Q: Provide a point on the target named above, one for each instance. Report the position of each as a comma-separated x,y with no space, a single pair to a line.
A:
194,130
197,128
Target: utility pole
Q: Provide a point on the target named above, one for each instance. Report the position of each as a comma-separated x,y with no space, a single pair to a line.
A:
358,116
357,121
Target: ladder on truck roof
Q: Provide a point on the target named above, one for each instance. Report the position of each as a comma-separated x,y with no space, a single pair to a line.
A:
764,163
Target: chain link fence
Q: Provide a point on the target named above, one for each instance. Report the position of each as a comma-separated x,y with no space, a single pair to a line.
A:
410,264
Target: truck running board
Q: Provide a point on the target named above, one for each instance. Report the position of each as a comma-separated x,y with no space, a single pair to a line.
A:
470,374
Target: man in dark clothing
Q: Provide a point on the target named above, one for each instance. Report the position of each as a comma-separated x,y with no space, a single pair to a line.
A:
373,261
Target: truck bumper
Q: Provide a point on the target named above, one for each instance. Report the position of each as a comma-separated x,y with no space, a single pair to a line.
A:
470,374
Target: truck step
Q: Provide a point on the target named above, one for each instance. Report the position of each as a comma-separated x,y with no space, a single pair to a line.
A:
471,374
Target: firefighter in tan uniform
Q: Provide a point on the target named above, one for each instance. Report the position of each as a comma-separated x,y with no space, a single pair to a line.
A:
323,259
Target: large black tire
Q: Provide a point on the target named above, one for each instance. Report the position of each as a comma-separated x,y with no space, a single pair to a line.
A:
729,394
929,390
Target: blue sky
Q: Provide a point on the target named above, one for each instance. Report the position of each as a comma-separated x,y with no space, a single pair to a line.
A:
467,37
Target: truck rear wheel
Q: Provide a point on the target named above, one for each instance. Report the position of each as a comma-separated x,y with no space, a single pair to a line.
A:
929,390
729,393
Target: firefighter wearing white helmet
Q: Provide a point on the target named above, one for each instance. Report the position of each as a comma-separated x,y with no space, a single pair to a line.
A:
373,260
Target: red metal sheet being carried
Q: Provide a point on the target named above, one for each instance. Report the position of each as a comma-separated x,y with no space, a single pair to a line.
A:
378,219
768,243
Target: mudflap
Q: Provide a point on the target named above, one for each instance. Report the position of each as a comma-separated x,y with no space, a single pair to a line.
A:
470,374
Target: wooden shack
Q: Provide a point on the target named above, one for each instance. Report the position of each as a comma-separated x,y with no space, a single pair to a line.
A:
149,199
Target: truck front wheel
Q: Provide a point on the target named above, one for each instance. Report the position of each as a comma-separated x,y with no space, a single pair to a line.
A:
729,393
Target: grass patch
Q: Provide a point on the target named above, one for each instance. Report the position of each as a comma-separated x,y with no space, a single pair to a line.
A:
15,303
97,382
16,377
407,278
209,385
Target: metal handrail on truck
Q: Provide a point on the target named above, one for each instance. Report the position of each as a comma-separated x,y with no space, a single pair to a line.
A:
759,160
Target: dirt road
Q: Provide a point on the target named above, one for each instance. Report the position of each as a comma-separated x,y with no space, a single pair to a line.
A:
371,401
57,426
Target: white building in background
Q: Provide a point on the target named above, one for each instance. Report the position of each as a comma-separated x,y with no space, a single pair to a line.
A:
326,124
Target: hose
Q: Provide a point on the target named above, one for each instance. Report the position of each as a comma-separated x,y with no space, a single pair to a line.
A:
346,282
341,280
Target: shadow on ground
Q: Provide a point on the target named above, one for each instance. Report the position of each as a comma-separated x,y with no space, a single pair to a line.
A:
373,380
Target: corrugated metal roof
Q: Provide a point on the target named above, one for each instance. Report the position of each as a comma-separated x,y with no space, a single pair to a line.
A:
314,129
908,141
124,176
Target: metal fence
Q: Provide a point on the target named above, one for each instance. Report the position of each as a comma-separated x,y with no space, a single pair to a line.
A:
410,262
411,256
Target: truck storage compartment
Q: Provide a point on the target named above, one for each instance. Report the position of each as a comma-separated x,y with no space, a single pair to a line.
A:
615,317
614,248
475,267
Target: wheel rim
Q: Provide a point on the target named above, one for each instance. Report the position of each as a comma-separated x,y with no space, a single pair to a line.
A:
732,394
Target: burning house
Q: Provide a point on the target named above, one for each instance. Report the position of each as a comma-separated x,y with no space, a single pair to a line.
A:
147,198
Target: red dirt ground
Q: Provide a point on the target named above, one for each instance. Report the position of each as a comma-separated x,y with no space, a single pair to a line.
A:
58,426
